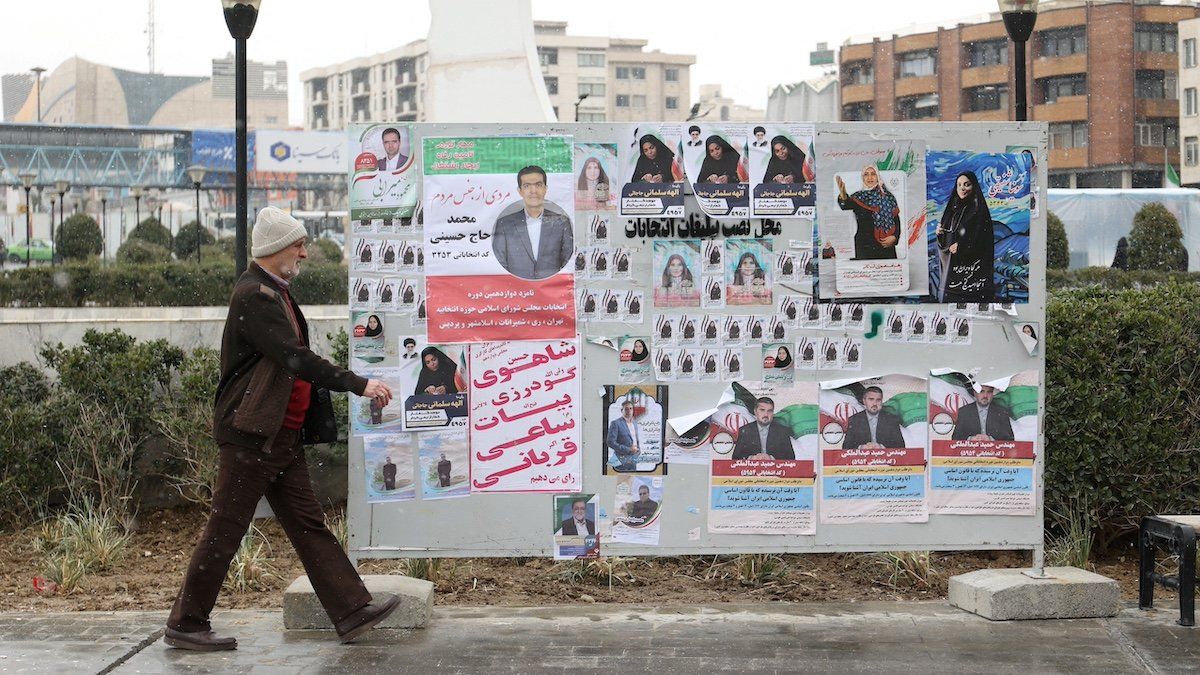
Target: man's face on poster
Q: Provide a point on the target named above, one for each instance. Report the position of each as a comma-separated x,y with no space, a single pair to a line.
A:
764,413
644,493
873,401
579,510
985,395
533,191
759,136
391,144
627,410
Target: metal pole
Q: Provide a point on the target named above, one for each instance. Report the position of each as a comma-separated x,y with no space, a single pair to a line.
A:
1019,73
104,229
62,205
199,225
28,227
240,142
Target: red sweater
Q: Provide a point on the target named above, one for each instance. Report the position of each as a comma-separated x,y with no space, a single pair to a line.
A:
301,390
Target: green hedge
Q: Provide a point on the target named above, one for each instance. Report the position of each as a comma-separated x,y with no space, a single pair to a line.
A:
153,285
1122,430
1113,279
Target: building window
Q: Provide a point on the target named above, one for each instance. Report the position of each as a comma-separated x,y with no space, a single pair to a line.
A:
639,100
859,112
551,85
987,53
622,72
1191,151
590,117
638,72
591,59
595,89
1155,84
989,97
1155,37
1054,88
548,56
1157,132
1189,53
672,103
1063,41
1065,135
622,101
921,107
858,72
1189,101
918,63
671,74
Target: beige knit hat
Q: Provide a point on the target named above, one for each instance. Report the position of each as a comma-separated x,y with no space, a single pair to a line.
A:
275,230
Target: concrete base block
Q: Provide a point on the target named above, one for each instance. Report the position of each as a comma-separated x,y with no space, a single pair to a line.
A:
1008,594
302,610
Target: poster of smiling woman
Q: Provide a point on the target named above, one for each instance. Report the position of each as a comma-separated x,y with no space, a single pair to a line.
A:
872,218
978,225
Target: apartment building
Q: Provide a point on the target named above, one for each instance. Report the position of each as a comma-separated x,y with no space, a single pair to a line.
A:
1104,75
1189,107
589,79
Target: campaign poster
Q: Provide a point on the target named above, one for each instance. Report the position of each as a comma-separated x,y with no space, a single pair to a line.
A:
388,464
676,273
763,458
714,158
368,416
872,223
526,418
873,434
596,189
748,272
634,421
978,214
782,171
983,440
487,202
651,172
633,355
433,385
576,536
369,344
779,367
444,464
637,507
1034,181
384,175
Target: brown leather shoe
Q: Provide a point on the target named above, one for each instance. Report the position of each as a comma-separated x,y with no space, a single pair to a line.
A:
366,618
205,641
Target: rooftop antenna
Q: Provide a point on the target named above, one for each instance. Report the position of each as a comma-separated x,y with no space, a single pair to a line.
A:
150,33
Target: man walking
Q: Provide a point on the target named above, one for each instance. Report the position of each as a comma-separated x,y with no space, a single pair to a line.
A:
267,407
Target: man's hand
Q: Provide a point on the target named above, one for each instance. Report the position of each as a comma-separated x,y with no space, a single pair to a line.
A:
889,241
378,391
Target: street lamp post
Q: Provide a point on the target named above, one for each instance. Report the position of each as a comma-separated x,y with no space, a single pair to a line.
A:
1019,19
240,17
136,193
27,179
37,72
196,173
581,98
61,187
104,224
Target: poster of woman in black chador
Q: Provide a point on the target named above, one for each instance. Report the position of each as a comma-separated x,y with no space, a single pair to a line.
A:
717,167
652,171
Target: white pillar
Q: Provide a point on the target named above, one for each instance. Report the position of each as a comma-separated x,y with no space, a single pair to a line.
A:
483,64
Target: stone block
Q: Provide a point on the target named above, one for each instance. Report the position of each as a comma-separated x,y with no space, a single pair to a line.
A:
1008,594
302,610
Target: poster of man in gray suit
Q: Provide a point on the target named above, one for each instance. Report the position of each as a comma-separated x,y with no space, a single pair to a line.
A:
533,228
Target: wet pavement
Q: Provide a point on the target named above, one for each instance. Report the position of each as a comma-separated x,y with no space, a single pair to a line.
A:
777,637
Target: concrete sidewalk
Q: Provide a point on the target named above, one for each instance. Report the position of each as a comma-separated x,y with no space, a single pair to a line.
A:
881,637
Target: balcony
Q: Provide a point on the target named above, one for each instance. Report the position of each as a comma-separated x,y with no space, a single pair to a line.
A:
1157,107
319,97
858,93
1068,158
911,86
1065,109
1053,66
1153,154
1156,61
859,52
999,115
974,77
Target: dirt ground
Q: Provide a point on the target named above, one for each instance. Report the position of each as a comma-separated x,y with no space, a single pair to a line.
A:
149,576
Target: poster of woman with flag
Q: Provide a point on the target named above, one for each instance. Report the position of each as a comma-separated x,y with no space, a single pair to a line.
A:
983,444
872,439
782,172
763,460
717,168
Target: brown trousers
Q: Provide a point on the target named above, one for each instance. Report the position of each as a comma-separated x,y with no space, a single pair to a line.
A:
243,477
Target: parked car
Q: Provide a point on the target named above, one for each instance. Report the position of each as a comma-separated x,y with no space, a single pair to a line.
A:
40,250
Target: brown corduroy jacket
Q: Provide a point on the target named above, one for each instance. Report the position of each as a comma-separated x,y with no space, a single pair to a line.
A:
261,357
